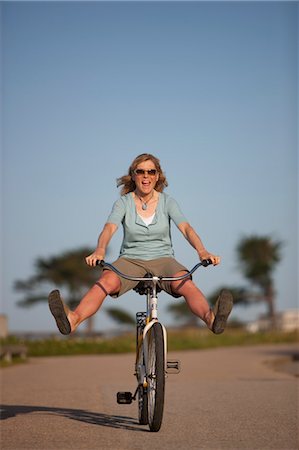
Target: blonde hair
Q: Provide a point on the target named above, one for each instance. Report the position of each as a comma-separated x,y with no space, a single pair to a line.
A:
128,184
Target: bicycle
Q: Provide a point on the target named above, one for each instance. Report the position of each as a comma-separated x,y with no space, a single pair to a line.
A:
151,364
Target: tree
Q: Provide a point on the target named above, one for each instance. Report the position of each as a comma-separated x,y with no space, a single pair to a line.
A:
182,312
258,256
120,316
67,272
240,295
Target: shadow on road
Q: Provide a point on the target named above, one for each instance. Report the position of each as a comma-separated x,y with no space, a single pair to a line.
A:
105,420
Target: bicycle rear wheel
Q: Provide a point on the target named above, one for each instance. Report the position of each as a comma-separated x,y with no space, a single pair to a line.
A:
155,377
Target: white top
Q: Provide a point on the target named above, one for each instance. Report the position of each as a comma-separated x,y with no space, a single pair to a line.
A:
147,220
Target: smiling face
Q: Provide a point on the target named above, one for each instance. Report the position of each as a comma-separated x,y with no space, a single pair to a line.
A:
145,181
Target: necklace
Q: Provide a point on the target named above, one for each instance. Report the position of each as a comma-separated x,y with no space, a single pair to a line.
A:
144,203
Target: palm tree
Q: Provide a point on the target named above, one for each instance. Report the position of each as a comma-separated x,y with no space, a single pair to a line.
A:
258,256
66,271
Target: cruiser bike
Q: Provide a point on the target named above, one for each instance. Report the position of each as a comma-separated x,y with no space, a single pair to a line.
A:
151,365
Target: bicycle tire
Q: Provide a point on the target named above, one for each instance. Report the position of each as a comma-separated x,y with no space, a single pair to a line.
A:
155,377
142,406
141,392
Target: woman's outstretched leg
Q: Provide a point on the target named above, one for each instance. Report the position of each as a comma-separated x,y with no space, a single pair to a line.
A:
215,318
67,320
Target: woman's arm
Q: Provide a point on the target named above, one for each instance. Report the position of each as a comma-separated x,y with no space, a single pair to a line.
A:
193,239
103,241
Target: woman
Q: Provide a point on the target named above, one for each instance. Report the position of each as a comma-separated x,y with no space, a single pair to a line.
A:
145,212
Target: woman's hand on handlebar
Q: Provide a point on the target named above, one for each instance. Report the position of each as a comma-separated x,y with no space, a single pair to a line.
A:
209,256
97,255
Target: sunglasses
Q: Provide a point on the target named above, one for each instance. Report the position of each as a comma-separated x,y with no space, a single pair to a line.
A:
140,172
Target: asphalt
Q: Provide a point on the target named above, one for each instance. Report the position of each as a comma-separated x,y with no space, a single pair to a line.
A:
231,398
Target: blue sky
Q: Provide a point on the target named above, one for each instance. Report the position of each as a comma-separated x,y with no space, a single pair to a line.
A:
208,87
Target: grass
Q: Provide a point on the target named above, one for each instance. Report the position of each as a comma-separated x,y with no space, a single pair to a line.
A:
16,360
197,338
178,339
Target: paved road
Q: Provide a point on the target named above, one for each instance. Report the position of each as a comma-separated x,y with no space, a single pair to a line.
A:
233,398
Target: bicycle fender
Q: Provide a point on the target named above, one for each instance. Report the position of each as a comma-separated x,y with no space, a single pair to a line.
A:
145,340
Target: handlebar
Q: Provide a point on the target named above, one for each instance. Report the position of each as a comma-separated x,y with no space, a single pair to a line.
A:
204,263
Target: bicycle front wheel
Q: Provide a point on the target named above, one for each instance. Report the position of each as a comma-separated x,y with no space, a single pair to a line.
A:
155,377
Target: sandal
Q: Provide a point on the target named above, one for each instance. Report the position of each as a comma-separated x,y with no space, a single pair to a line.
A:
59,312
222,309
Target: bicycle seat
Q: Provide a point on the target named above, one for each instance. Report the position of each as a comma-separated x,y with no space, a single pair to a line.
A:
142,287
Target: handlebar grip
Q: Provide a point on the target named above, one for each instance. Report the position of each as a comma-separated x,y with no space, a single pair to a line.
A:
206,262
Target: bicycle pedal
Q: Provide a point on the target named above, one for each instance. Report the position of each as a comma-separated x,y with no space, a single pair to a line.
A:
124,398
173,366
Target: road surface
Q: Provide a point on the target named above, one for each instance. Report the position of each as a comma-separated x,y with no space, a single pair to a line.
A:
231,398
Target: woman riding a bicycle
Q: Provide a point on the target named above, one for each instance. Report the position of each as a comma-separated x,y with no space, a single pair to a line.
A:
145,212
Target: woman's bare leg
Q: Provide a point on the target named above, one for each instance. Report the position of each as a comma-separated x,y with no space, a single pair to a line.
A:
195,299
109,283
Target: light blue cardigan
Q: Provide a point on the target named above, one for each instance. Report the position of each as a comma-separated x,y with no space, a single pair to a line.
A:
141,241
